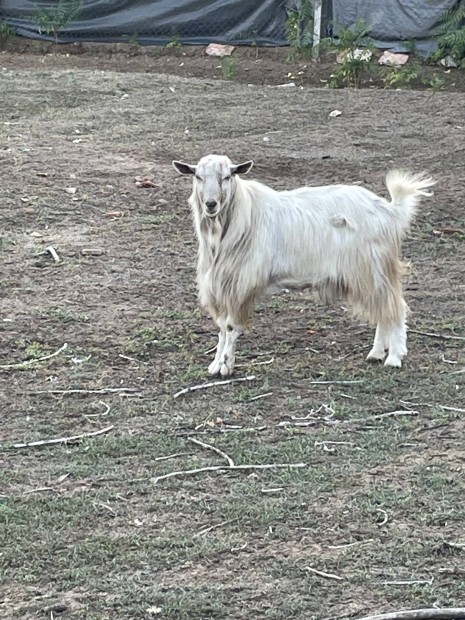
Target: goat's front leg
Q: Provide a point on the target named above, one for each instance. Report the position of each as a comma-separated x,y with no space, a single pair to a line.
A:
228,357
380,345
225,357
215,366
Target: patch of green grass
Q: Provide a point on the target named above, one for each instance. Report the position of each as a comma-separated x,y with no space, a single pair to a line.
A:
228,68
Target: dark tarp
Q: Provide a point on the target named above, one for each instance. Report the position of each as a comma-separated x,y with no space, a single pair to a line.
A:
156,22
261,22
394,22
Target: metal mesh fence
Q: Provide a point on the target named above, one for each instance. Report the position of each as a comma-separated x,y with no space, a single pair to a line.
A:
158,22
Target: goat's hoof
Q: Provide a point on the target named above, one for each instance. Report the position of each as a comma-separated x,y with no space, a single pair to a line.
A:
214,368
394,361
375,355
226,371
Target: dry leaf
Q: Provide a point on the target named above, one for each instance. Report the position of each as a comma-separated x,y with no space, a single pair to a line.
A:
71,190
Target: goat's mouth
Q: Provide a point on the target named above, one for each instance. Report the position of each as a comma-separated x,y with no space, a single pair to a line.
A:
212,214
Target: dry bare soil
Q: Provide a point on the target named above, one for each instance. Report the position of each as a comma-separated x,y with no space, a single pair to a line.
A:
86,530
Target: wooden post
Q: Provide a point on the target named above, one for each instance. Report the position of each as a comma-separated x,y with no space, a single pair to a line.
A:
316,27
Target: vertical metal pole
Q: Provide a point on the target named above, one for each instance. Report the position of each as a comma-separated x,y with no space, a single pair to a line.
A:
316,27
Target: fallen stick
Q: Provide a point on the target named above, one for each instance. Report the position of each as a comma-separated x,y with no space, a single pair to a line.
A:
53,253
199,470
256,363
168,457
322,574
447,613
132,359
214,527
440,336
205,386
35,360
380,416
214,449
259,397
335,382
408,582
99,415
48,442
99,391
347,545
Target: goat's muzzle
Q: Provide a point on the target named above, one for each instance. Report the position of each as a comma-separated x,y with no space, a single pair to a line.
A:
211,208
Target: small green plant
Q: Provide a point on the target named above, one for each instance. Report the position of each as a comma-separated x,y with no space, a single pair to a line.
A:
54,19
399,77
133,39
174,42
6,32
451,34
299,26
354,59
228,68
34,351
436,82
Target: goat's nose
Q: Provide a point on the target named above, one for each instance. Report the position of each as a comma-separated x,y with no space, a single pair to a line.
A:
211,204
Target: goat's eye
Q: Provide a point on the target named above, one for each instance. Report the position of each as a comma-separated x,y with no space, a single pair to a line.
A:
198,178
227,178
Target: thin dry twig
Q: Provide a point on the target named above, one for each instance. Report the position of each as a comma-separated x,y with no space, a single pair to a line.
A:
455,545
199,470
336,382
38,490
57,440
205,386
99,415
214,448
347,545
388,414
408,582
53,253
170,456
446,613
35,360
214,527
260,396
440,336
322,574
385,517
444,408
252,363
97,391
132,359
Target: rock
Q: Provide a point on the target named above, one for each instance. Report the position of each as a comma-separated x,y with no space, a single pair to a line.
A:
393,60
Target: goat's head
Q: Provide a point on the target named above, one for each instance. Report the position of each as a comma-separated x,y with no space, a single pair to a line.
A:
213,180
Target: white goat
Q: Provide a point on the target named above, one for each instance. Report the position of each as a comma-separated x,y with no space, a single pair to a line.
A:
341,239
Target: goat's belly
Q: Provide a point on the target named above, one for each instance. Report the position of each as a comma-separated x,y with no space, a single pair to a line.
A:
293,284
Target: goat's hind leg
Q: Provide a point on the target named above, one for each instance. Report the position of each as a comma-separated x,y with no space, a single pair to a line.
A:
215,366
398,340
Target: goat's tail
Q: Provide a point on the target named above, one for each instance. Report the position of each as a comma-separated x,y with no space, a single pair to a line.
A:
406,190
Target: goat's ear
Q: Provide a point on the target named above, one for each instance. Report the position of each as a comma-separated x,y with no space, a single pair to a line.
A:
183,168
242,168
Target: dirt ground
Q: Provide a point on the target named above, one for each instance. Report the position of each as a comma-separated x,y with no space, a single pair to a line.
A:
86,529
